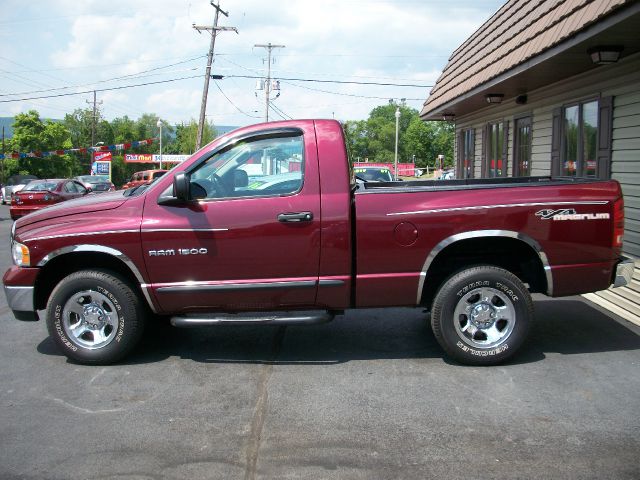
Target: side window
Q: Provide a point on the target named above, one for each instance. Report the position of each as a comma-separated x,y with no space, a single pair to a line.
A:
80,188
522,147
495,150
466,153
254,168
70,187
582,134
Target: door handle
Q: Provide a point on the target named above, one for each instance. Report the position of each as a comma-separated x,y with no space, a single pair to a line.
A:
295,217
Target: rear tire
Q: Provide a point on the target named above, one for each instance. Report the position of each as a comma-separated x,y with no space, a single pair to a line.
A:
95,317
482,315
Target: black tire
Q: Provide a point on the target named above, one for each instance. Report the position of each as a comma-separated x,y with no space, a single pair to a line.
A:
482,315
95,317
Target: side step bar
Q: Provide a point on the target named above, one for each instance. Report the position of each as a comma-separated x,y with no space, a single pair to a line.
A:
253,318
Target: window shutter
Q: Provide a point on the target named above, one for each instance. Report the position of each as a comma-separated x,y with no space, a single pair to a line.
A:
505,147
484,167
472,166
556,141
605,134
460,154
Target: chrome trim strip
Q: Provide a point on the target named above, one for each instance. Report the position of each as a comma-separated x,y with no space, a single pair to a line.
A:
109,251
192,287
20,298
13,231
331,283
257,318
486,207
153,230
81,234
485,234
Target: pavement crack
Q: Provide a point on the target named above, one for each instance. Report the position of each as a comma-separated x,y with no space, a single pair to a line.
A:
260,412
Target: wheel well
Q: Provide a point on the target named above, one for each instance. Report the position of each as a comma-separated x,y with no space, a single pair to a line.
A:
64,265
511,254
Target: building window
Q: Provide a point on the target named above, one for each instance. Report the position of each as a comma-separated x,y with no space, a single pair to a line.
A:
495,150
467,152
581,144
522,147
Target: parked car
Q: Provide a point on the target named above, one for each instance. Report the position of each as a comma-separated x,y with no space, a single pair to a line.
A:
471,252
97,183
144,177
448,175
14,184
373,174
38,194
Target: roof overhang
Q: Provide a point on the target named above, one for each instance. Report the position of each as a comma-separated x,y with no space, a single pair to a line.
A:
558,63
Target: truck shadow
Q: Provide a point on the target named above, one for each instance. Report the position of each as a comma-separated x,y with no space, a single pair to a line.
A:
563,326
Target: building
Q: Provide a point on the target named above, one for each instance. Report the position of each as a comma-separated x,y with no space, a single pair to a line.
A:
552,87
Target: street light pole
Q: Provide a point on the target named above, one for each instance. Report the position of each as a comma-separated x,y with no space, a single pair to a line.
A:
396,156
160,127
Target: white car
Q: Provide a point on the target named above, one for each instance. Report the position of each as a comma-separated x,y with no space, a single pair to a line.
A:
15,183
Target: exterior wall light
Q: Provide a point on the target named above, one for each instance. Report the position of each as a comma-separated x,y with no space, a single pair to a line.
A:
605,55
448,117
494,97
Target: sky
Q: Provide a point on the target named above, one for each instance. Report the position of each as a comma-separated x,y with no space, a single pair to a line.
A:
64,47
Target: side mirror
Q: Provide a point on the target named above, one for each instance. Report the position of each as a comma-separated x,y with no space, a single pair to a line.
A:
181,186
88,190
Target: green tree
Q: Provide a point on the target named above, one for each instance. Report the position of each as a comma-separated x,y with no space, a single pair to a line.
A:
185,137
427,140
31,134
374,138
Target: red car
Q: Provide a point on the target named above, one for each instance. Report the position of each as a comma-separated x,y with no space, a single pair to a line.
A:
42,193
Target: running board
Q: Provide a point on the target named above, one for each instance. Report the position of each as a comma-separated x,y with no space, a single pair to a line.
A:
253,318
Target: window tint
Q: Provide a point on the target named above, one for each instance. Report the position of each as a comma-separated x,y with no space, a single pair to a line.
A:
265,167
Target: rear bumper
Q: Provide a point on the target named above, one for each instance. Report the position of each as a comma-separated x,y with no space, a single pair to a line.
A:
20,301
624,272
17,212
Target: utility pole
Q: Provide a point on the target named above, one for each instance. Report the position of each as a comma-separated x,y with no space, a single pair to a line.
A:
95,114
267,86
3,153
214,31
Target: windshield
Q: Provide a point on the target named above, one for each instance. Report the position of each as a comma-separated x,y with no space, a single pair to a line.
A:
40,186
374,174
94,178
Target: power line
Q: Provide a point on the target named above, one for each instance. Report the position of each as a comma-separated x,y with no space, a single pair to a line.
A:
352,82
234,105
129,76
106,89
346,94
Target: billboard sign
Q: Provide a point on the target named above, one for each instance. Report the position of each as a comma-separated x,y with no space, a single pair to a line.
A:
153,158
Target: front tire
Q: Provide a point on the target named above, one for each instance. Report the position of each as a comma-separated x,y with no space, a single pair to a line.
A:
482,315
95,317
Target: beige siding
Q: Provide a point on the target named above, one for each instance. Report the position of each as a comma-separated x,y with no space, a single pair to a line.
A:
625,164
622,82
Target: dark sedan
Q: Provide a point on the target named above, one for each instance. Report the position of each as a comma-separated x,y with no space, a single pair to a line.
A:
38,194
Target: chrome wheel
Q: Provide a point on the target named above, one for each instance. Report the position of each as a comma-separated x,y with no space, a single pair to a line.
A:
90,319
484,318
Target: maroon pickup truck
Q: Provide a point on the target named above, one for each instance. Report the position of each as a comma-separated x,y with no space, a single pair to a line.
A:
269,224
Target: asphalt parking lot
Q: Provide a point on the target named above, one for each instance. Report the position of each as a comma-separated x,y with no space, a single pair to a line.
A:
367,396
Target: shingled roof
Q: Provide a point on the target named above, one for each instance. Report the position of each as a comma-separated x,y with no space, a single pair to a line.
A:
519,31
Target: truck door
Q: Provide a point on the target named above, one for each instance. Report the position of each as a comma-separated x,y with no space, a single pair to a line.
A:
250,238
